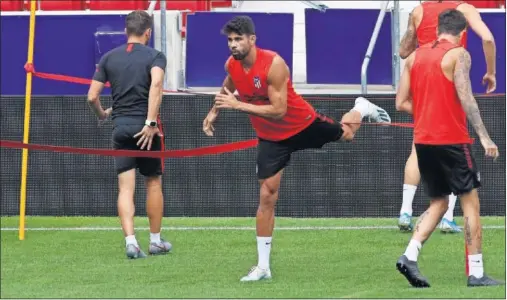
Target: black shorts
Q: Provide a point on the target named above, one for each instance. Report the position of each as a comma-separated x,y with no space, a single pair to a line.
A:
447,168
123,139
274,156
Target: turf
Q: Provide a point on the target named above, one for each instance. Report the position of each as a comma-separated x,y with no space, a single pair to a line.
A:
208,263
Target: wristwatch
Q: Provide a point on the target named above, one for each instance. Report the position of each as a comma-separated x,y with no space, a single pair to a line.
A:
151,123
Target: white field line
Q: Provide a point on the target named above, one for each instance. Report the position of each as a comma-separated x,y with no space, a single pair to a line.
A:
197,228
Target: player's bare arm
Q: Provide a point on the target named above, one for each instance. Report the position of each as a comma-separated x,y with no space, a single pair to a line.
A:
403,97
488,43
464,90
94,100
278,77
227,85
154,100
408,43
155,95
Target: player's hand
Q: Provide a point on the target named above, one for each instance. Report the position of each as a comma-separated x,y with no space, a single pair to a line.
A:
146,136
490,81
226,101
207,124
490,148
105,116
106,113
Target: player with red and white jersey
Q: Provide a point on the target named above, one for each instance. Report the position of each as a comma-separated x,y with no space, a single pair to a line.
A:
435,87
422,29
283,121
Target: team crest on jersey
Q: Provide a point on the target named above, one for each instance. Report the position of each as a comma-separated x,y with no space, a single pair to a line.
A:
257,82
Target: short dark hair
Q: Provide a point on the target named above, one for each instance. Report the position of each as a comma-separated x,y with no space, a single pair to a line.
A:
239,25
137,22
451,21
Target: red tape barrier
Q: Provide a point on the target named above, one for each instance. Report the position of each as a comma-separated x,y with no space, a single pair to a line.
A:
211,150
29,68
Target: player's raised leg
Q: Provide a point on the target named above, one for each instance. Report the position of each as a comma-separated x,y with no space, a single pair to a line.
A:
126,212
363,108
410,183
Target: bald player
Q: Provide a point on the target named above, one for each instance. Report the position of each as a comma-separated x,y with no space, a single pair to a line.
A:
422,29
283,121
435,87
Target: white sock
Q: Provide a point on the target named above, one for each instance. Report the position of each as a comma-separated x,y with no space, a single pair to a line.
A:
475,266
363,108
413,249
154,237
408,197
131,239
449,214
263,250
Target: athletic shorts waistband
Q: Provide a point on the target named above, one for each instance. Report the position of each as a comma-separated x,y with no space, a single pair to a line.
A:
129,120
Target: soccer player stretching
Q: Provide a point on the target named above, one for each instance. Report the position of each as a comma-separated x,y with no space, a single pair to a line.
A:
284,122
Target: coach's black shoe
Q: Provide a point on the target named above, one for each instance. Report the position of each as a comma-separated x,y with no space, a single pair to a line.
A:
483,281
410,270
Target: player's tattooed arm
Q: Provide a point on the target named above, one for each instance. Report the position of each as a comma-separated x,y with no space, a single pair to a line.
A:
464,90
409,41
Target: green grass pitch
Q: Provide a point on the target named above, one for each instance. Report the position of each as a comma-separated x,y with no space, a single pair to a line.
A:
357,261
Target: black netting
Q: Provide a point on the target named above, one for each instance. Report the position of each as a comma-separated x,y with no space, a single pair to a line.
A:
361,179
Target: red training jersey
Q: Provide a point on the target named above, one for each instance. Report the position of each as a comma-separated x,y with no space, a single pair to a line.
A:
252,87
427,29
486,3
439,118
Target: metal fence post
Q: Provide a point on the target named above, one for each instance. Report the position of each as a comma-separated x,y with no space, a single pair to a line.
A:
371,46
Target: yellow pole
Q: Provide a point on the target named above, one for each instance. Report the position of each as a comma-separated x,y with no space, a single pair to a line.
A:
28,97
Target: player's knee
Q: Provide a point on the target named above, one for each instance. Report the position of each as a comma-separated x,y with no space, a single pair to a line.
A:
412,167
470,200
348,134
127,181
441,204
268,194
153,181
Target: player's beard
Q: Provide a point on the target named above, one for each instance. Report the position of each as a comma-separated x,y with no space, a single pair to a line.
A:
239,55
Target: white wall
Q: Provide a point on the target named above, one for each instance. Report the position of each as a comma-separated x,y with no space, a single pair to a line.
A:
298,8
